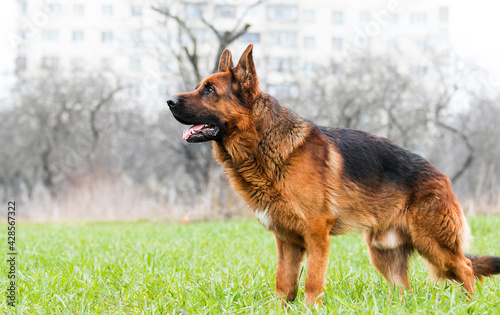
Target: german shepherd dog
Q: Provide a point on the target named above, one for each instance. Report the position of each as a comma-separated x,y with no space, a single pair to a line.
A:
304,183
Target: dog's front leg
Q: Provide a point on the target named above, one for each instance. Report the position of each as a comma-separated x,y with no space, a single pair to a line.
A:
290,257
317,247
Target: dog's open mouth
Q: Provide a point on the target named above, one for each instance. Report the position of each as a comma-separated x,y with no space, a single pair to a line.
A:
199,133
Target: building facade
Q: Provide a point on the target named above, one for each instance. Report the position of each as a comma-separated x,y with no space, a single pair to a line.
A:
292,38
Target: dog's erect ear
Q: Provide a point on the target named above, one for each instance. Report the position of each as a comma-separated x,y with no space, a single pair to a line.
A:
226,61
246,75
246,66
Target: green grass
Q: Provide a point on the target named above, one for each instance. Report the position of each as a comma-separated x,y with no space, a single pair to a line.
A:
213,268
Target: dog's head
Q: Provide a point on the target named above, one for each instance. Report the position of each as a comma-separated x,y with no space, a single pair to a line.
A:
221,102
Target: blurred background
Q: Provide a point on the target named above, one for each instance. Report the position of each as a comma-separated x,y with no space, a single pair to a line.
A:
85,133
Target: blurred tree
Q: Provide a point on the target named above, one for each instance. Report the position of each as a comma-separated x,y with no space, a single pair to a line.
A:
55,127
61,126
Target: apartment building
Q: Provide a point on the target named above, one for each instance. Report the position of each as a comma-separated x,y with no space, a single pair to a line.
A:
291,38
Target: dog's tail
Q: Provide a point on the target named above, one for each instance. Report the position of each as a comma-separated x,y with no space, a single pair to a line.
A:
484,266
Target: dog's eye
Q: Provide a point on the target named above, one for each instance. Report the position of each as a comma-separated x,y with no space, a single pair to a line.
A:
208,90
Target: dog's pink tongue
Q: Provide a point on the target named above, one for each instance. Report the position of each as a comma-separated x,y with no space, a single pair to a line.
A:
186,133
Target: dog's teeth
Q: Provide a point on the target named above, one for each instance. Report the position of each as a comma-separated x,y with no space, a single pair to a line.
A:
192,132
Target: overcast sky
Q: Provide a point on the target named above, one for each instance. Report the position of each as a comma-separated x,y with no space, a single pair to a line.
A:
474,32
474,29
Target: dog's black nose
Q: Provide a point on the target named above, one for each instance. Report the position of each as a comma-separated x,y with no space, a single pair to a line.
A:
173,101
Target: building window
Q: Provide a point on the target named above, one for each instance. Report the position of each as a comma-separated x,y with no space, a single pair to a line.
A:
136,36
21,63
256,13
282,13
50,62
309,16
164,65
283,38
418,71
22,7
444,14
164,37
77,36
106,63
107,10
51,8
136,10
392,44
135,64
394,18
420,45
225,11
78,10
193,11
310,42
418,18
22,35
337,43
310,69
250,37
365,17
107,37
283,90
77,63
338,17
50,35
279,64
202,35
363,42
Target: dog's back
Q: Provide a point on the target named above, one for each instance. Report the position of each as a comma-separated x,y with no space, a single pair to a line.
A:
371,160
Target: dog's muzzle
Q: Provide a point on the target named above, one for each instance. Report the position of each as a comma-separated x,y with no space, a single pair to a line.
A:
173,101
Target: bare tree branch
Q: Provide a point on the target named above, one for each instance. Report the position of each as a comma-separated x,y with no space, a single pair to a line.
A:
192,54
225,38
92,119
442,104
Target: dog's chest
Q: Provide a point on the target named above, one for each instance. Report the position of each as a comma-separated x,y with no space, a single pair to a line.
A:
264,218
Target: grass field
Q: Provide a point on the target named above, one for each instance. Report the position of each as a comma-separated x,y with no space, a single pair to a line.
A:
213,268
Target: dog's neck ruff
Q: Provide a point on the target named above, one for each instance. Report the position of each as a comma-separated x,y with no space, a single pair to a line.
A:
282,127
275,132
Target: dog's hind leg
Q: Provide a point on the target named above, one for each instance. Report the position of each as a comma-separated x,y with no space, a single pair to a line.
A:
389,253
290,257
443,263
439,233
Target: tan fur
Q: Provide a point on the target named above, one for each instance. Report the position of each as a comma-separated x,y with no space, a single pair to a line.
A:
292,176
